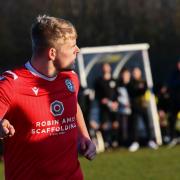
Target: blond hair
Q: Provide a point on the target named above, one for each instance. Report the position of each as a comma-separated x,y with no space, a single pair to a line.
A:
50,31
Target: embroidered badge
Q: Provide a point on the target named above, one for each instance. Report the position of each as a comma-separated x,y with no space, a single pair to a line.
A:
69,85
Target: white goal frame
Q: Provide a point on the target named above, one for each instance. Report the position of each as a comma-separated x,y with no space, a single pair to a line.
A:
148,75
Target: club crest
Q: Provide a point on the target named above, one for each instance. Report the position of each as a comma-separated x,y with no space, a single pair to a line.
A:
69,85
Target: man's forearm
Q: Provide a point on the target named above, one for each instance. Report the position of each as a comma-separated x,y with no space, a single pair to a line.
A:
83,132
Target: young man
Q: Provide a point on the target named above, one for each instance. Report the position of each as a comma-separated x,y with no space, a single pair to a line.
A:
39,102
105,94
137,90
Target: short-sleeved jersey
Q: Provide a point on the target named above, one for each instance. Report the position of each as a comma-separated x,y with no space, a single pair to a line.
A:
43,113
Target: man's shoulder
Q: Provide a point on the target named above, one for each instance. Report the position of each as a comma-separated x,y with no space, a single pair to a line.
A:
7,84
68,75
11,76
70,79
8,77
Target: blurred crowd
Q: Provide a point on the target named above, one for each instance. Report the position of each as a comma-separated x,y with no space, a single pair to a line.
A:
117,110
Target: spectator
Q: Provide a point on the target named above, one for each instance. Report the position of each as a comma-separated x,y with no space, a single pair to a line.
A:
138,89
164,105
124,108
105,95
174,86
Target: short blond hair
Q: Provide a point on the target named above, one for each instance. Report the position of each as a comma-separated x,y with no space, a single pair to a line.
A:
49,31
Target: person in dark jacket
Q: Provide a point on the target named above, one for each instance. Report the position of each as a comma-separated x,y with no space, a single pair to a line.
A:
105,95
138,88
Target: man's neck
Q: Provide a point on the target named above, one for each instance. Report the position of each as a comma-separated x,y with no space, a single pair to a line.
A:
44,66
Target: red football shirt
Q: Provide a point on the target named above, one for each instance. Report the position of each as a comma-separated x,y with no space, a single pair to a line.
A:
43,113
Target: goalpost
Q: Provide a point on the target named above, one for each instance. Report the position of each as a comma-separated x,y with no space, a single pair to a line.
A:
118,56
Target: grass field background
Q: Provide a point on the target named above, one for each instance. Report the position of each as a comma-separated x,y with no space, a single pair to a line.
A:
145,164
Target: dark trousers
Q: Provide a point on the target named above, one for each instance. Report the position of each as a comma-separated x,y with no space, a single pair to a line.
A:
123,128
136,114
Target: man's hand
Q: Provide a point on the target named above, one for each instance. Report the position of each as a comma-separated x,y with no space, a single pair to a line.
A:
87,148
6,129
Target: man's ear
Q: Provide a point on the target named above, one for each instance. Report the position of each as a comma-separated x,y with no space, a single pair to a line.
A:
52,53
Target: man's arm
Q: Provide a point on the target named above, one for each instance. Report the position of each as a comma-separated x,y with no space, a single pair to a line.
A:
87,147
6,99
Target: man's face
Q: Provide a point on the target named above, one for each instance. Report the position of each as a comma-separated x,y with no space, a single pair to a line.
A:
106,68
126,76
66,55
136,73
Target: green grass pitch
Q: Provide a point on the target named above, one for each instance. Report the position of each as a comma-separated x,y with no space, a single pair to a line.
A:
120,164
145,164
